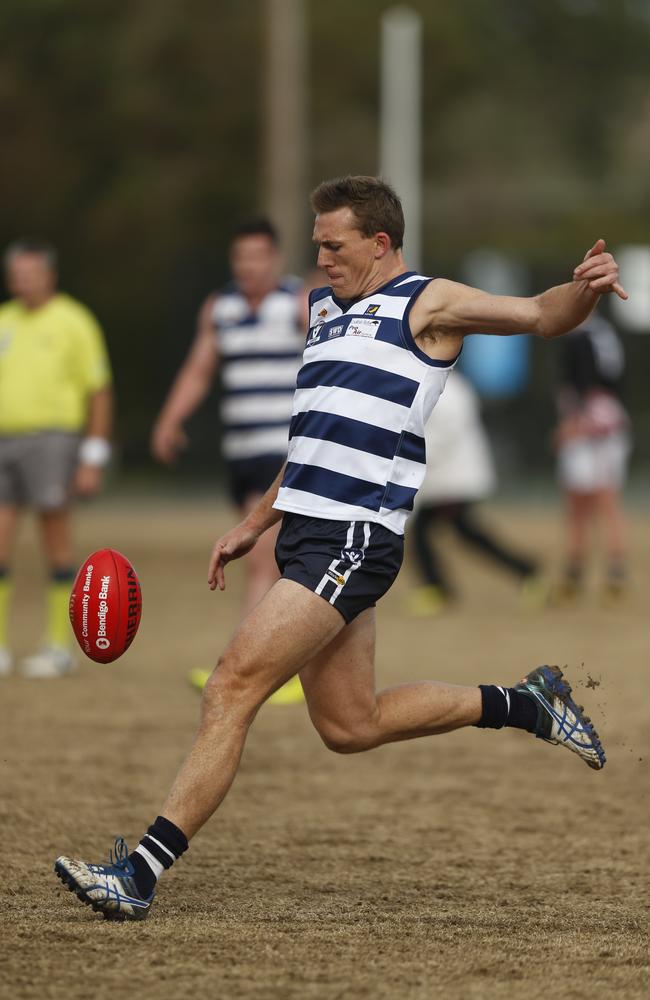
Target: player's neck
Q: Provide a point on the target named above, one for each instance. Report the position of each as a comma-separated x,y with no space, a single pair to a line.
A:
33,302
255,299
383,274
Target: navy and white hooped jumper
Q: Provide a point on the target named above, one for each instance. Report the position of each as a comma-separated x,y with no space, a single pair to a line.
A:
364,394
260,357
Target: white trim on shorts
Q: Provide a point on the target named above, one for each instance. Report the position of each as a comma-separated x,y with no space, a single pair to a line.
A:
334,565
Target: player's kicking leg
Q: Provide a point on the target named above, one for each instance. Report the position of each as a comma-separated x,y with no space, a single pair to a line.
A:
271,645
339,686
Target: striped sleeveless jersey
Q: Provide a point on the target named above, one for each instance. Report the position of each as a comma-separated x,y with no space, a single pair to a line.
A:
260,357
364,394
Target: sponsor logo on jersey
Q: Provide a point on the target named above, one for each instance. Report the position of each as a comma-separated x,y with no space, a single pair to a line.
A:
362,327
372,309
323,312
334,331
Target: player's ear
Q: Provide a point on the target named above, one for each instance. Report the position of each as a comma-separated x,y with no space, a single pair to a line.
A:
382,245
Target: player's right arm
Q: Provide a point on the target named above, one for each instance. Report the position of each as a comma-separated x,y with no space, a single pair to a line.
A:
447,310
241,539
189,388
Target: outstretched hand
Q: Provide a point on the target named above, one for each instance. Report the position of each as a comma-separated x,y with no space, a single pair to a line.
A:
600,271
167,441
232,545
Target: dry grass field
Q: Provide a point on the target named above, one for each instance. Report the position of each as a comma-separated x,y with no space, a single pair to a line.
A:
472,865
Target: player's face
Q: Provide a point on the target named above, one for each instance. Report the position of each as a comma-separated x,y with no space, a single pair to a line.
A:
30,278
255,264
344,253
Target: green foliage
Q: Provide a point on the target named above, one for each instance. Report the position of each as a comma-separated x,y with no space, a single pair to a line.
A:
132,139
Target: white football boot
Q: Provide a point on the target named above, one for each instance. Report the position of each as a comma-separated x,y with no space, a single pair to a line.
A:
109,888
559,719
49,662
6,662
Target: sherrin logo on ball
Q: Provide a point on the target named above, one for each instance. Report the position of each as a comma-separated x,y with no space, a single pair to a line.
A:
105,605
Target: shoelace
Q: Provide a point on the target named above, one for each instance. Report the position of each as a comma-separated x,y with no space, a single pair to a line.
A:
121,856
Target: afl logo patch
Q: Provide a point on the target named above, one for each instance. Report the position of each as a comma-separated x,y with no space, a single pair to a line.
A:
314,335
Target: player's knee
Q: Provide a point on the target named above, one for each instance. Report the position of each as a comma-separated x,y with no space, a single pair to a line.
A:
342,738
231,687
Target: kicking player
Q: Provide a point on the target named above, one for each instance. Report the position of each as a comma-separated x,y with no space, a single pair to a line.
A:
381,342
55,423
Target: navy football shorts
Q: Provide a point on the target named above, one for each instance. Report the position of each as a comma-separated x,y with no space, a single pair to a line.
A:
251,477
351,564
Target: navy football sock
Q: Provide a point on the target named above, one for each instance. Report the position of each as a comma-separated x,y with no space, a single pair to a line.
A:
506,707
160,847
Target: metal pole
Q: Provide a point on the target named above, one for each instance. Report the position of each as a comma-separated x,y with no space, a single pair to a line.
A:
400,130
285,125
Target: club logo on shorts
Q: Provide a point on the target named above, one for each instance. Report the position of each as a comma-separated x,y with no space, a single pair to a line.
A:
353,556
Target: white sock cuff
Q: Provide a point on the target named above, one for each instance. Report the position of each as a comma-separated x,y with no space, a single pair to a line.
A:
153,863
506,695
163,848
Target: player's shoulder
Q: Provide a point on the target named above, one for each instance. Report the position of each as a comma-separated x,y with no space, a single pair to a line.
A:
291,284
318,294
229,289
66,306
437,295
9,308
440,287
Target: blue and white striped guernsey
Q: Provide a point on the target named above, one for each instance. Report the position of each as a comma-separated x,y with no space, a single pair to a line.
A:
364,394
260,357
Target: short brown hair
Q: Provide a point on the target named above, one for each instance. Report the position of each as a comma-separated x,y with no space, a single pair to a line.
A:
376,207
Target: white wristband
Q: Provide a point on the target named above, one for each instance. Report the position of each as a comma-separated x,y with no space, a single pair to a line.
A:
94,451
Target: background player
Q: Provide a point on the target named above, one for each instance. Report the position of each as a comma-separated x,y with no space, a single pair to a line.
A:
593,445
253,332
54,390
380,345
460,472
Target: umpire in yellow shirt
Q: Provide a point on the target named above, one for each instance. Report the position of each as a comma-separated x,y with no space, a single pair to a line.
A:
55,424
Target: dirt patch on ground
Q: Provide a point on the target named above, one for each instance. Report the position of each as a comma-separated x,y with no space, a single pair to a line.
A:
476,864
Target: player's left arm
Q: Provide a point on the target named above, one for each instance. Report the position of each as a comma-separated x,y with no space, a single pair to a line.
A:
95,448
447,311
93,378
241,539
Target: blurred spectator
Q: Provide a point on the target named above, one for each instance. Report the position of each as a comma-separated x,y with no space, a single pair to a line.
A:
55,422
460,472
593,444
253,330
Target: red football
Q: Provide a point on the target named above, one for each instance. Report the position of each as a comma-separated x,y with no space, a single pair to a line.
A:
105,605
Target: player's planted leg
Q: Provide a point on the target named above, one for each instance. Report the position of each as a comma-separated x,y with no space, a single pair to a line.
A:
269,647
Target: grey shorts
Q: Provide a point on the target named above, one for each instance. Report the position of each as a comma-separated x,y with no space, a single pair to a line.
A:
36,470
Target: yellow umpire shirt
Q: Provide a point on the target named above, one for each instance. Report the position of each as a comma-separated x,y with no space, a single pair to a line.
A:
52,360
